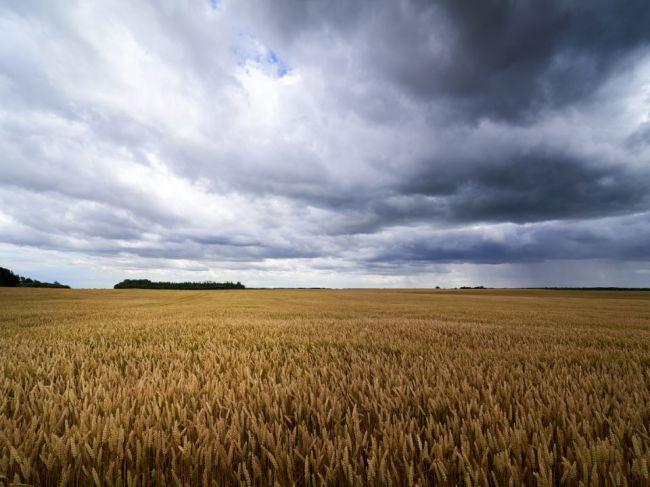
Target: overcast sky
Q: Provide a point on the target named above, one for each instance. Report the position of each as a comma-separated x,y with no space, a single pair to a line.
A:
326,143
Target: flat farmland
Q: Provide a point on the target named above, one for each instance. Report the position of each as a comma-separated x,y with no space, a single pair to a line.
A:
324,387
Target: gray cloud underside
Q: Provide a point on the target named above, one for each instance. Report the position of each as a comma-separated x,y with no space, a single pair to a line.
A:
403,133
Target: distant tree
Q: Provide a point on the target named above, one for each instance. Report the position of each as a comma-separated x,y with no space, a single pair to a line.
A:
8,278
27,282
147,284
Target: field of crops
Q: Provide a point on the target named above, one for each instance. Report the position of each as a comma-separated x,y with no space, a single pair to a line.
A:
316,387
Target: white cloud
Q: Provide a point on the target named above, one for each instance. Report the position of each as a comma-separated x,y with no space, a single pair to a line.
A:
175,139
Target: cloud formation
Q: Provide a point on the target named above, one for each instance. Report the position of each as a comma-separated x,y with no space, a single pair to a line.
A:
328,143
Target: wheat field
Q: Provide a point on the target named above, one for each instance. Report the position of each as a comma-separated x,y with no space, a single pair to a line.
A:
324,387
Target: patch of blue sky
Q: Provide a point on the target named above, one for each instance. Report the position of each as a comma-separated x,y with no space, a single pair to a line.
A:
282,68
213,4
247,48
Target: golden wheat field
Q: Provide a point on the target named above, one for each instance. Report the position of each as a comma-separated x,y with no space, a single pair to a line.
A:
324,387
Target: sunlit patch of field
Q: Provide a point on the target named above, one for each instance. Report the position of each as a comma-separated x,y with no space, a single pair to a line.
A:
324,387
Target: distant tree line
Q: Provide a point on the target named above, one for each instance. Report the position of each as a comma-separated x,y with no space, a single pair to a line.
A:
9,279
598,288
147,284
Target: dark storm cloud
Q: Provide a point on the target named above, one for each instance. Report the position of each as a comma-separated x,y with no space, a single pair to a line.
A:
640,138
529,186
510,59
499,59
617,239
